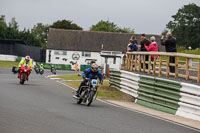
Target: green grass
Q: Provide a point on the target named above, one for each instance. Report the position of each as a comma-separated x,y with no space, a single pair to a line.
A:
186,51
8,64
104,91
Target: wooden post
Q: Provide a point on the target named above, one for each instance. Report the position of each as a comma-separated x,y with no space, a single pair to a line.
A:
176,66
154,64
136,62
167,71
140,63
132,61
160,66
198,80
187,69
127,62
144,63
149,64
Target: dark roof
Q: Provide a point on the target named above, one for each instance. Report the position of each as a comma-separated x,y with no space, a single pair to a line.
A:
74,40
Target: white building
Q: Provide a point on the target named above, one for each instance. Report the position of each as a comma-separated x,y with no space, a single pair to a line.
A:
69,46
83,58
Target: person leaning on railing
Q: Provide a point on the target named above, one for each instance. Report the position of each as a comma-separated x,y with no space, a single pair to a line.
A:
153,47
142,48
170,46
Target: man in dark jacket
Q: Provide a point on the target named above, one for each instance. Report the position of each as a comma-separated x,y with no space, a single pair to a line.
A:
170,46
144,40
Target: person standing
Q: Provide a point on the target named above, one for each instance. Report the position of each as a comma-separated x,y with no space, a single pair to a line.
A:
153,47
142,48
170,46
76,66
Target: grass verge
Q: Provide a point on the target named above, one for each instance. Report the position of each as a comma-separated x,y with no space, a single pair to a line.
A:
104,91
8,64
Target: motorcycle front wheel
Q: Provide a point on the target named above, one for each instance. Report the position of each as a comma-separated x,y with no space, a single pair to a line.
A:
90,98
22,78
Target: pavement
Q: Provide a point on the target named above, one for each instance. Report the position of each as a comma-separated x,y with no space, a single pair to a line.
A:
43,105
151,112
158,114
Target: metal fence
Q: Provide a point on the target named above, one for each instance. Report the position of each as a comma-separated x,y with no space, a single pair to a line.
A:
18,48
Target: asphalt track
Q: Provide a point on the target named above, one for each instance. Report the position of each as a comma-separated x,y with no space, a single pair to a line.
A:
43,105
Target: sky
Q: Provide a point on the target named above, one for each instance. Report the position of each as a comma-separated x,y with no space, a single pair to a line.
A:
144,16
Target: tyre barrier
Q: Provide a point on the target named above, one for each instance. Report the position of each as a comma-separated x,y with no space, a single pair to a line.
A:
161,94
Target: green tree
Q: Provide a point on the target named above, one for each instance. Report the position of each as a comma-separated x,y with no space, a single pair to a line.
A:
186,26
65,24
3,27
126,30
107,26
40,31
12,30
29,38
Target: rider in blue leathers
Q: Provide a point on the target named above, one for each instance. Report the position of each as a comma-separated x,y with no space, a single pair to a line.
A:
91,73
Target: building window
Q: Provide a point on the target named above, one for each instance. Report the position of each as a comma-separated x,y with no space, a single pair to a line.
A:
86,54
60,52
57,58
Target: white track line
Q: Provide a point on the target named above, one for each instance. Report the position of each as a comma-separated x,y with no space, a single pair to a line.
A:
160,118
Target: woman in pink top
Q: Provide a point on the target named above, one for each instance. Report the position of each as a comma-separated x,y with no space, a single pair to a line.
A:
153,47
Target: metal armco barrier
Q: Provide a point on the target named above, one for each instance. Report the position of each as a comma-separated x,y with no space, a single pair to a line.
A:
161,94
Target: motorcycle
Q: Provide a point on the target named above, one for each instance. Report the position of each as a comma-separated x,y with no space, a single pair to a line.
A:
24,73
41,71
36,69
88,92
53,70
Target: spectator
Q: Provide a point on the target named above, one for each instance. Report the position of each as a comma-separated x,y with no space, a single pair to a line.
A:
129,46
170,46
132,46
76,66
142,48
153,47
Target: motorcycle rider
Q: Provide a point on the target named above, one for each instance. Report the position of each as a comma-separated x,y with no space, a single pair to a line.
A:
41,66
91,73
24,62
52,68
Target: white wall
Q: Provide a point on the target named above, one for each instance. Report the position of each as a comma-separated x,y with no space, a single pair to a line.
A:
82,59
7,57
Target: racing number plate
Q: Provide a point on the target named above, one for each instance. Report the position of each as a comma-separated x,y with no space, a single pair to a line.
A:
94,82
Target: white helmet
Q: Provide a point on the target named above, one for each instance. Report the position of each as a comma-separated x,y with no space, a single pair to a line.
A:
94,67
27,58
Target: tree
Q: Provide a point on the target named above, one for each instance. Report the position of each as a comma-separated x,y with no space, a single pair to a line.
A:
12,30
29,38
107,26
65,24
40,31
3,27
186,26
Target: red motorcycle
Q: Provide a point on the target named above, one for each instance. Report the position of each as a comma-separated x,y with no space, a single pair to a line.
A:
24,73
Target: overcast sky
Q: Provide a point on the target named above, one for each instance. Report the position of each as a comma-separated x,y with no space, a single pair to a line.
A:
145,16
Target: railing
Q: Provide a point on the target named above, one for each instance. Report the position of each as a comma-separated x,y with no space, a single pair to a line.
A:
186,65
